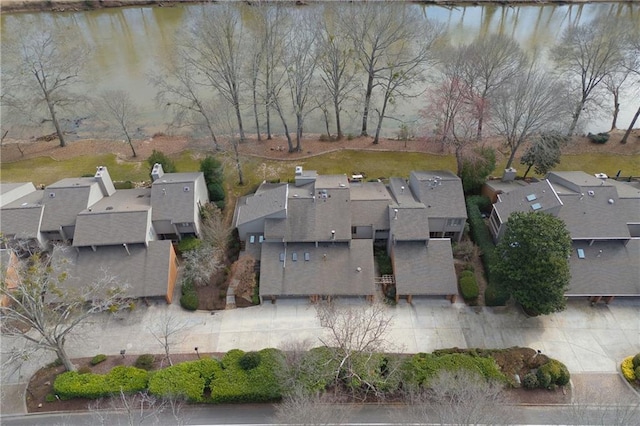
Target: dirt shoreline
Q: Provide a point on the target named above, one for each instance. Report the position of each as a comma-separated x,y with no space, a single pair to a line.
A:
15,6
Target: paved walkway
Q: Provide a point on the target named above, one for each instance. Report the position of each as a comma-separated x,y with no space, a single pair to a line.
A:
587,339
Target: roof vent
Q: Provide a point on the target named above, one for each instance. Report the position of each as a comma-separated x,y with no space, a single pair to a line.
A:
601,176
342,185
186,189
611,201
109,208
591,193
52,195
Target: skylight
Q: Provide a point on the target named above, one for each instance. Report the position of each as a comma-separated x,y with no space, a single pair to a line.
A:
531,197
580,254
536,206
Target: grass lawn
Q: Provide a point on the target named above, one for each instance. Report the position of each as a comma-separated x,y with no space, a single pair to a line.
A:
373,164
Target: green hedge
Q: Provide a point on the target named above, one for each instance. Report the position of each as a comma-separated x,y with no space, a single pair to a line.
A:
189,298
494,294
259,384
469,287
187,379
72,384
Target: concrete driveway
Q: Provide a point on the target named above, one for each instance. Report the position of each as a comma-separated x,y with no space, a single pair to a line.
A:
587,339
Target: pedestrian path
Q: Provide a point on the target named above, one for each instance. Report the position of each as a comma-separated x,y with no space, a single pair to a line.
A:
587,339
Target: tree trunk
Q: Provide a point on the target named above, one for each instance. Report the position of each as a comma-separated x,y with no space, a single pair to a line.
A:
269,136
367,100
62,355
239,117
52,111
527,172
299,123
255,109
376,139
286,129
238,165
336,105
130,143
459,160
325,114
480,119
616,109
633,122
576,116
511,157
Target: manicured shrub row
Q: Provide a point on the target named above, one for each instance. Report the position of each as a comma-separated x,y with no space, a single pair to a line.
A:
423,367
494,295
468,286
210,380
73,384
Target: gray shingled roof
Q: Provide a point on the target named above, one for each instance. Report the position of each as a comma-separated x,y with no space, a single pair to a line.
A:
310,219
410,224
10,191
335,275
403,197
593,216
22,217
145,271
540,194
265,202
422,270
112,227
609,268
169,199
369,205
65,199
443,197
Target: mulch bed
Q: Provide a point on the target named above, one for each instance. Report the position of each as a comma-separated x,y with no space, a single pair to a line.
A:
41,384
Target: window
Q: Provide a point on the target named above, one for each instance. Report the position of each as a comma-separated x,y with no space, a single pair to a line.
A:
454,222
354,229
449,234
294,256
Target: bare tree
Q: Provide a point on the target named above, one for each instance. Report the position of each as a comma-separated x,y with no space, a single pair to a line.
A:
382,33
632,54
138,409
214,46
207,259
39,300
312,410
355,334
460,397
298,62
335,60
405,67
168,330
272,22
490,62
587,54
46,66
117,109
532,104
451,105
179,91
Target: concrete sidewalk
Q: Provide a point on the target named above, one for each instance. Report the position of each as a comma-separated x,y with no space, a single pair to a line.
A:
587,339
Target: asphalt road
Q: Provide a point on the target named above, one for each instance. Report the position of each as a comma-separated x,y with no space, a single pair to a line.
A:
375,415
